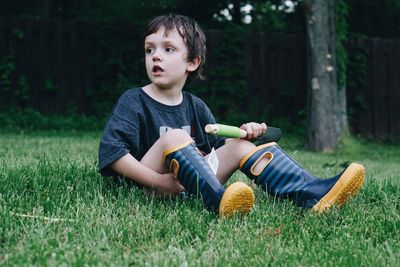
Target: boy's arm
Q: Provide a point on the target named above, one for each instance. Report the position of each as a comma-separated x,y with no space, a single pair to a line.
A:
131,168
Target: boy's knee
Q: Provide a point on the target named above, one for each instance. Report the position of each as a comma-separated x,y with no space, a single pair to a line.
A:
176,136
241,147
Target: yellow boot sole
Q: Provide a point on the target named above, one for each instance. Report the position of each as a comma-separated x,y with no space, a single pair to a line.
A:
346,187
238,198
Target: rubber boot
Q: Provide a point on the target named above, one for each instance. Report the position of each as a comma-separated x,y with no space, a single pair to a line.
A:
283,177
193,172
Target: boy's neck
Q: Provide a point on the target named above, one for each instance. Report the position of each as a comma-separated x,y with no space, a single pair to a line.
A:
167,96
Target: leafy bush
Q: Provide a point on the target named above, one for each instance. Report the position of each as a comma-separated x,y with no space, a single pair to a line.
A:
29,119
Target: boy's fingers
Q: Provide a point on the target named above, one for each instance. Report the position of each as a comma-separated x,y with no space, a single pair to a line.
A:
257,129
250,131
247,128
181,188
261,129
264,127
179,185
254,129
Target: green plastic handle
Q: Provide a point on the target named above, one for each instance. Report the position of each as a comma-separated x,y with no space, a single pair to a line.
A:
225,130
272,134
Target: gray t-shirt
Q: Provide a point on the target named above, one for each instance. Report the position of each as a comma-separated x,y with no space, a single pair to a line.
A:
137,121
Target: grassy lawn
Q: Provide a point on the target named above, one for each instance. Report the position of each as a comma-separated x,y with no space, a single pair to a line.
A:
56,210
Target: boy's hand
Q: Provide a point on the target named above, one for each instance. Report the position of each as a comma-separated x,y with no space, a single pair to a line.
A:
254,130
166,185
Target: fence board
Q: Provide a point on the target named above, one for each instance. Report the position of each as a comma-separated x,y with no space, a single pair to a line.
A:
396,90
368,118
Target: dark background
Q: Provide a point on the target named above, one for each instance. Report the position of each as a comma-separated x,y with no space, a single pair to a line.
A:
64,63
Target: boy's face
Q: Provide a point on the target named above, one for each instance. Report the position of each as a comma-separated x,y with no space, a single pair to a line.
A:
166,59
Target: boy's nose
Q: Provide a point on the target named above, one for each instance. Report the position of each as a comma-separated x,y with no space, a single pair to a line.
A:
156,56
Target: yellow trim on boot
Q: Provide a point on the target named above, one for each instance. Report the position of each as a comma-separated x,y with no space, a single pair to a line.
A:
238,198
248,155
346,187
270,158
174,167
171,150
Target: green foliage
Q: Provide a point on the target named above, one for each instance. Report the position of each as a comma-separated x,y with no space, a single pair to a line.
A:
288,126
7,68
32,120
50,85
13,86
22,90
271,16
266,19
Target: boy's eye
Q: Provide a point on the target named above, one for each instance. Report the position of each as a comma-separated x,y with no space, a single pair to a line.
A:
169,49
149,50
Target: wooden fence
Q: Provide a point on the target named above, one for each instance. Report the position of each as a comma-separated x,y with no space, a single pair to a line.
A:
379,112
53,56
276,72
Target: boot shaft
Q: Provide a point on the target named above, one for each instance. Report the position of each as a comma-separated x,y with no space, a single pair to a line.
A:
283,177
277,173
193,172
280,174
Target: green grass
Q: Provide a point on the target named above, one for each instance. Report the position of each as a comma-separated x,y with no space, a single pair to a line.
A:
56,210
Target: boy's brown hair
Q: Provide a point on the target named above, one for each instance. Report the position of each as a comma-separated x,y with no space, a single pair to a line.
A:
191,33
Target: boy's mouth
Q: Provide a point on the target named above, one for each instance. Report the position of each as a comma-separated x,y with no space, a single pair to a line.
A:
157,69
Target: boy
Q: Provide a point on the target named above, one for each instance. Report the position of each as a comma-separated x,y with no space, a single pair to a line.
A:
155,136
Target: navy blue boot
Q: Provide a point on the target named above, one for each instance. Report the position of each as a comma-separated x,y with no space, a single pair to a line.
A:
193,172
278,174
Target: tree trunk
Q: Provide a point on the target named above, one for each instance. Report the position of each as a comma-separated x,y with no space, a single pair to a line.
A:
324,117
236,14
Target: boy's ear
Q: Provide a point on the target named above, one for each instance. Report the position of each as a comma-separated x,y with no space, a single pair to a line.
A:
194,64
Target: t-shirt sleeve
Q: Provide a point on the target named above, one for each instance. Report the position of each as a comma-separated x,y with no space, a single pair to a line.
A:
119,137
